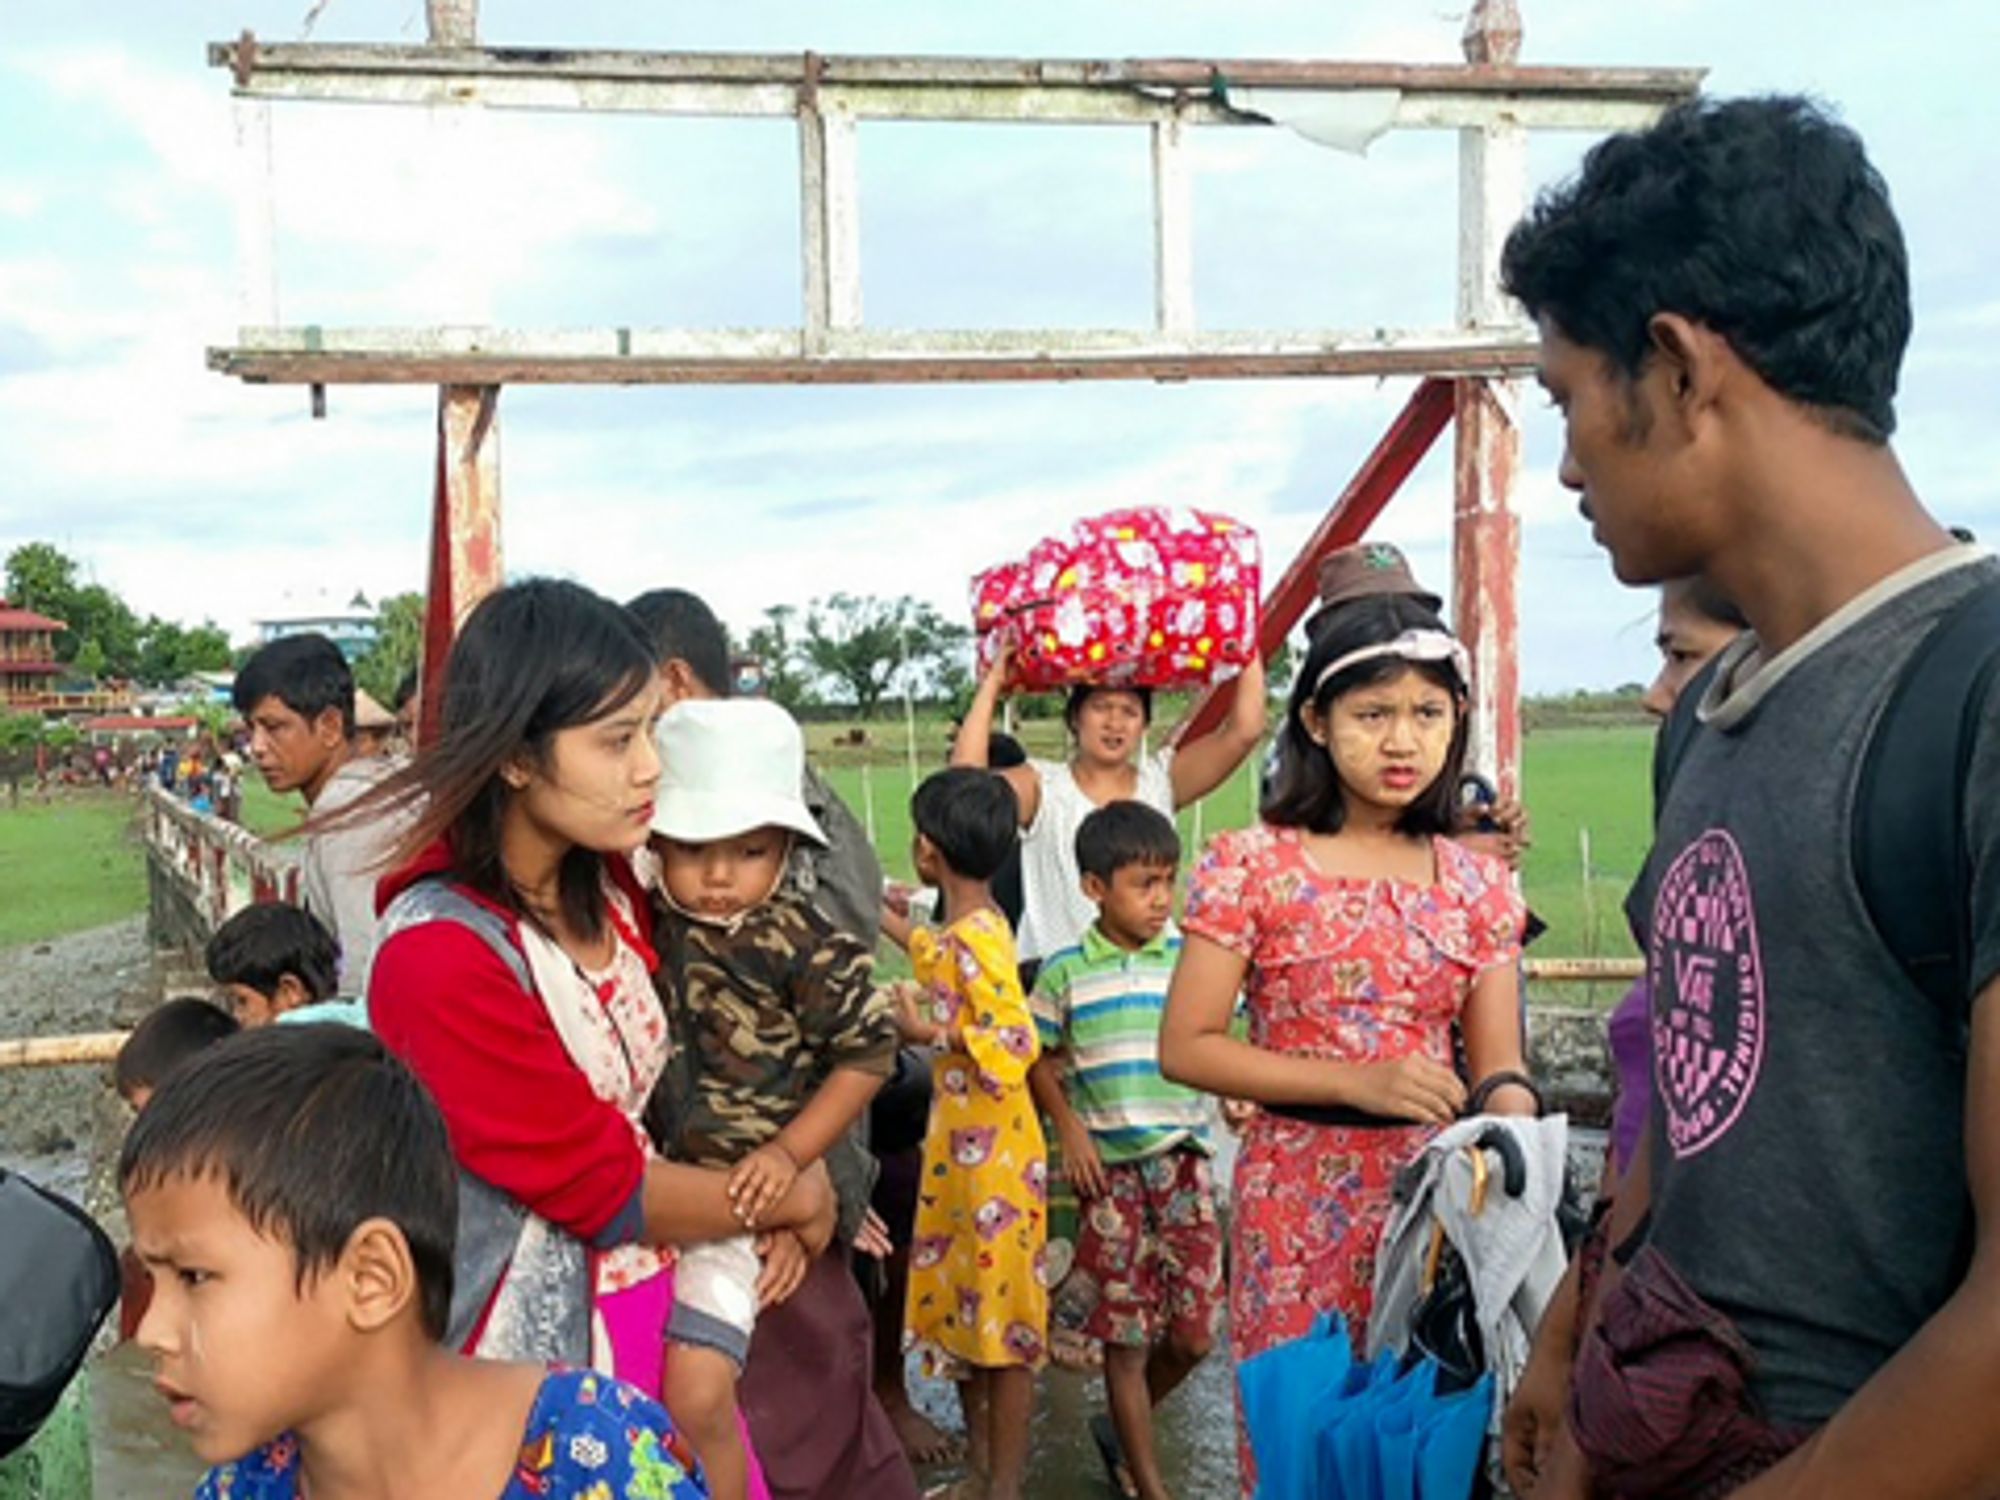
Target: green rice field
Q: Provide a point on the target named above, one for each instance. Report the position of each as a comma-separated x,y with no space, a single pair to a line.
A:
75,863
1587,791
68,864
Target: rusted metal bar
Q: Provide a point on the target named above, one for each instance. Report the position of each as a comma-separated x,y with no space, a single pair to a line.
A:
272,63
1374,484
1173,229
452,23
465,528
1486,564
829,215
1019,90
1486,533
1200,357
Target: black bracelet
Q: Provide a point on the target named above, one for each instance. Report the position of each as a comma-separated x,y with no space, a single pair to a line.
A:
1492,1083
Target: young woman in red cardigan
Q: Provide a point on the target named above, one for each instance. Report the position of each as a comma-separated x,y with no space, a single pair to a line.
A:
513,974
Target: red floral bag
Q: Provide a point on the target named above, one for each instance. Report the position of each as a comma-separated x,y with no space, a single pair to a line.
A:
1150,597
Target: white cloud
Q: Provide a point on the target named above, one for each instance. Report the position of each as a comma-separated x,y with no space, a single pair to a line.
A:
200,496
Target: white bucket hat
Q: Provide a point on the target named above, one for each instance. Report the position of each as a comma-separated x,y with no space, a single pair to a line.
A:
727,766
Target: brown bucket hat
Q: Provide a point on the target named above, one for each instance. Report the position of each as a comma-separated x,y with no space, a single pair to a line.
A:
1370,569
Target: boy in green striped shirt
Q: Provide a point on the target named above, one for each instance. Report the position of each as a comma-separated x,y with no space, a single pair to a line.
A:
1136,1147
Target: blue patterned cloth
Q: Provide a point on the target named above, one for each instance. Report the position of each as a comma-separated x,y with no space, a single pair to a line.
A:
588,1438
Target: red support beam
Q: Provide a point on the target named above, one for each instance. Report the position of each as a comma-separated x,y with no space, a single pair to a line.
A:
1409,438
465,532
1486,567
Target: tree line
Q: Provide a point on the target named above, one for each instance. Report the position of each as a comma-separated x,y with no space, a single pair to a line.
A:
106,637
840,651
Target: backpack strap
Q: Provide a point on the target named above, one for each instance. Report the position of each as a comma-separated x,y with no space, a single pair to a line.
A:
1671,744
435,899
1910,856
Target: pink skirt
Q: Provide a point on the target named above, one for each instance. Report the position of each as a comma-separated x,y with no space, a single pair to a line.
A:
633,1322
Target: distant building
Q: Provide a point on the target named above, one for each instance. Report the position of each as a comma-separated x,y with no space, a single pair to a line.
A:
351,627
28,665
205,687
117,726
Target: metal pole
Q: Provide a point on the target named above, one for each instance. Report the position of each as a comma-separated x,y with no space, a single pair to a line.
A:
465,561
1486,534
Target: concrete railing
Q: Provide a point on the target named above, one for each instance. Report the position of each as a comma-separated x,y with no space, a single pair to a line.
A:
200,869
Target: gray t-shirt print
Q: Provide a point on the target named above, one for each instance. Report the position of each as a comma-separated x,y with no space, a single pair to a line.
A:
1808,1157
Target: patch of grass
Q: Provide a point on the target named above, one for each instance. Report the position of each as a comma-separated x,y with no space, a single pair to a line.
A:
1593,784
68,865
267,813
73,865
1577,780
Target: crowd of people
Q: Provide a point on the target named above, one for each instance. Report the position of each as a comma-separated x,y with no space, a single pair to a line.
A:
592,1158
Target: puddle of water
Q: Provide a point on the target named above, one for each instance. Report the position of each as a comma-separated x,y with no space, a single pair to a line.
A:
1195,1431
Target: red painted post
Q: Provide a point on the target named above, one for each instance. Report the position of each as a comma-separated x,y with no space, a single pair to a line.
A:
465,529
1486,534
1486,550
1374,484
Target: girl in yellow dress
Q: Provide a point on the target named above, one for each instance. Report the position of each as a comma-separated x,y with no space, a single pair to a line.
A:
977,1304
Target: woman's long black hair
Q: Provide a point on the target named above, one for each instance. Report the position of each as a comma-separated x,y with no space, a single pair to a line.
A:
1306,793
532,659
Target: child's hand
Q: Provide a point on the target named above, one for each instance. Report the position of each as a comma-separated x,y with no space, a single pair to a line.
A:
1499,830
1237,1114
760,1180
873,1237
1081,1163
810,1209
786,1261
906,998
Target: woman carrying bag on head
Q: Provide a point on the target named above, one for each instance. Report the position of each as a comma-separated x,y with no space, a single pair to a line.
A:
1108,763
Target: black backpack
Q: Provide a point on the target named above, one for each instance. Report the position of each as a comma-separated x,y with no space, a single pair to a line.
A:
58,1280
1909,852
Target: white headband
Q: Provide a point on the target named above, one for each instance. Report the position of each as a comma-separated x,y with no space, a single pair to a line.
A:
1411,645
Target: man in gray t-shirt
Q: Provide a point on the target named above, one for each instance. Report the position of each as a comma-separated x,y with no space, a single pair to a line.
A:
1808,1161
1798,1302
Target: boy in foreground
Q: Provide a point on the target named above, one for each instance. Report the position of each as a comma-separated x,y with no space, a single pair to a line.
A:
293,1194
1135,1145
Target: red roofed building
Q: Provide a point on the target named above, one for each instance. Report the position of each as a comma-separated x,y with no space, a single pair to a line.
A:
28,664
112,724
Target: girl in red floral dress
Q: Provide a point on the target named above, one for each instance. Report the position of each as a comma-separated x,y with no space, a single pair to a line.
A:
1360,934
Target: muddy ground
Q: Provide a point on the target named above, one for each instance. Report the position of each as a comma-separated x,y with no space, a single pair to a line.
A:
97,980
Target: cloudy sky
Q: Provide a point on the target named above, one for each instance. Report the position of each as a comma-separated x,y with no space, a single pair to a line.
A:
197,496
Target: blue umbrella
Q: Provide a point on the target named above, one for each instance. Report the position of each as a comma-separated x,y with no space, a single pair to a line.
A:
1280,1389
1398,1439
1451,1439
1349,1430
